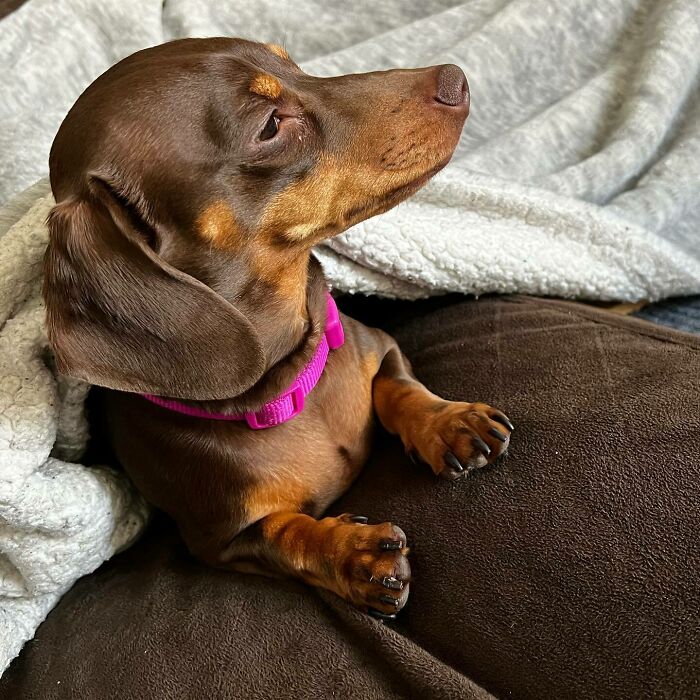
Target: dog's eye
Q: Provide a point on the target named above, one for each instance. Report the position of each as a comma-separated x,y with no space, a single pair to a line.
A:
270,128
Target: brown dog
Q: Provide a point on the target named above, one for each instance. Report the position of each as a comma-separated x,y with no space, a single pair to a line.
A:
192,181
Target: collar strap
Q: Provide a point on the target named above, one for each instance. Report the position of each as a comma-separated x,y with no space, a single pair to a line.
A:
289,403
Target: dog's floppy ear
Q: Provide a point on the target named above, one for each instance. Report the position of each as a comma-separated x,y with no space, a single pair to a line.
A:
120,317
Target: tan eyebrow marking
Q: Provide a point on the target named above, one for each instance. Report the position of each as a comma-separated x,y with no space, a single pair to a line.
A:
266,85
217,224
279,51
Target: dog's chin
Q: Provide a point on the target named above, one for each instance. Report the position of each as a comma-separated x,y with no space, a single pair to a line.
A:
381,204
412,186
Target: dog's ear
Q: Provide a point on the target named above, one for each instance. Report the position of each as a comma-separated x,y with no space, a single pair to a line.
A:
120,317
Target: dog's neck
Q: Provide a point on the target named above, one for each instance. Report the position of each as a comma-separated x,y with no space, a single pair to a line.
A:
278,299
289,321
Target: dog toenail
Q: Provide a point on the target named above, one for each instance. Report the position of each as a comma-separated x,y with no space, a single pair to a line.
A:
481,446
359,519
497,434
381,615
453,462
500,418
393,583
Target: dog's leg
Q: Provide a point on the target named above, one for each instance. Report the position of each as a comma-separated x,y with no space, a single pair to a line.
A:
365,564
452,437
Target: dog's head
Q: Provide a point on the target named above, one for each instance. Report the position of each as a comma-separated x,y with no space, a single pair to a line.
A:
191,180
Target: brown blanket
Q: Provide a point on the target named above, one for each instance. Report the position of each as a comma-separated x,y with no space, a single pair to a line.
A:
568,570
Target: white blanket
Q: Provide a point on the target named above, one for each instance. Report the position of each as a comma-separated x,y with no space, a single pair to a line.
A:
578,172
577,175
59,520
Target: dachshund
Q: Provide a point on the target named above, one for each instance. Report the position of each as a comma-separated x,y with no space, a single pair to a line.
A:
192,181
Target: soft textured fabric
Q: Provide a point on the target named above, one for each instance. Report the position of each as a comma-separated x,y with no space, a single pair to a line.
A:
578,171
683,314
58,519
577,175
567,570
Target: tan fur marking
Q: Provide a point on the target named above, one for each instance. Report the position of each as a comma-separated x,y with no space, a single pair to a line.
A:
217,224
279,51
324,197
287,273
266,85
281,495
370,364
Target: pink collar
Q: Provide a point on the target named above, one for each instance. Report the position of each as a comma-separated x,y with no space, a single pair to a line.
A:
291,402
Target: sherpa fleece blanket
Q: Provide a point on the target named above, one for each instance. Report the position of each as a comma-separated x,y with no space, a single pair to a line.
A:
58,519
577,175
578,172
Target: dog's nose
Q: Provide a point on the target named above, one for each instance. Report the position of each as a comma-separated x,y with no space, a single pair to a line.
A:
452,86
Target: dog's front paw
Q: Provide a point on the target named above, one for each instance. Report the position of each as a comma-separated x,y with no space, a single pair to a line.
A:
372,569
455,438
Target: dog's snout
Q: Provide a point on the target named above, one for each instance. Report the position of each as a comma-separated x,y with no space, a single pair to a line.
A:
452,87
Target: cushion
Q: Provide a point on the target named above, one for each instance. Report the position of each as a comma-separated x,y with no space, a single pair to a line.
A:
568,569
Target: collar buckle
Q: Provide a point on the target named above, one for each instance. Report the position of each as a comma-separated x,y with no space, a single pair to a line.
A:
257,420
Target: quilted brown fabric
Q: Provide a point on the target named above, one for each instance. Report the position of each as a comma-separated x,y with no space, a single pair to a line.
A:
568,570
